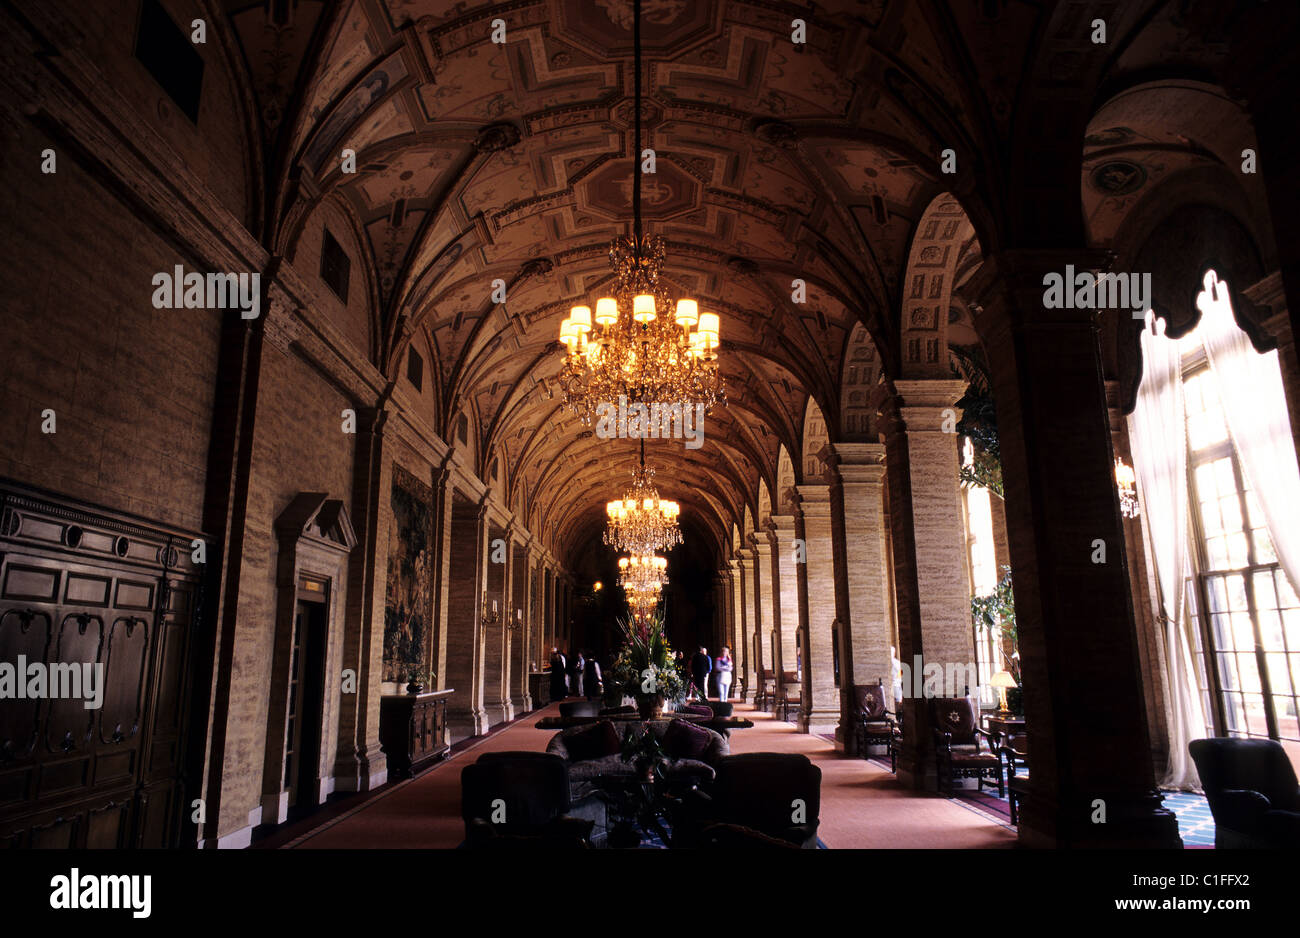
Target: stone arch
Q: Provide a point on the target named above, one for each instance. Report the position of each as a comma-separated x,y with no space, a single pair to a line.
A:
764,502
785,482
815,436
353,314
938,244
858,377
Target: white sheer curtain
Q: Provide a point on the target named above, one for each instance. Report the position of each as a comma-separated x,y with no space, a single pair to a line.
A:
1157,436
1250,386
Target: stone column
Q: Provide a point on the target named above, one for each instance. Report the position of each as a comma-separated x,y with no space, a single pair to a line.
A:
360,763
496,636
764,598
785,587
929,542
820,712
467,585
749,612
1092,782
736,598
856,476
524,650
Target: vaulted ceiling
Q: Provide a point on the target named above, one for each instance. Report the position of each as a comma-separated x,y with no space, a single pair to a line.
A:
480,161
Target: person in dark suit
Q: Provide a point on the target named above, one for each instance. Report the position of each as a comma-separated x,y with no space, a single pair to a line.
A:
591,678
559,681
701,666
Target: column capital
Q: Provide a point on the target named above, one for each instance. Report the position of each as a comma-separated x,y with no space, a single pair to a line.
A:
762,546
780,523
849,463
814,501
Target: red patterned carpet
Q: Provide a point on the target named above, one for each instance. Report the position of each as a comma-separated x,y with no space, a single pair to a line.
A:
862,805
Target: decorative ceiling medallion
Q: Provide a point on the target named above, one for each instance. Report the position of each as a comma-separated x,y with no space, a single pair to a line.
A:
496,137
777,134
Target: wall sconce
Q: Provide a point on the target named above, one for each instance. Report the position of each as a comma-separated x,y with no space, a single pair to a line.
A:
516,624
491,614
1126,482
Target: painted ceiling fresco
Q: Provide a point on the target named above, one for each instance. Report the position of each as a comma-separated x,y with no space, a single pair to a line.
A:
481,160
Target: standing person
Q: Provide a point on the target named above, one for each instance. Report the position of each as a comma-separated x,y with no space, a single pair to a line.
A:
559,690
576,666
591,678
723,667
701,666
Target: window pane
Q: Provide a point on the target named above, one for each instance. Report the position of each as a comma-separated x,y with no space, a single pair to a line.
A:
1279,678
1210,518
1230,512
1227,482
1228,672
1284,712
1237,554
1248,673
1236,584
1205,484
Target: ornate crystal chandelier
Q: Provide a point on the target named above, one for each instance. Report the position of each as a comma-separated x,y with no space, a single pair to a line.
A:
642,346
641,523
643,573
642,604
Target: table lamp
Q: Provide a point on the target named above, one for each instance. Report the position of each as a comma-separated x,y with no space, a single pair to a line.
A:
1002,680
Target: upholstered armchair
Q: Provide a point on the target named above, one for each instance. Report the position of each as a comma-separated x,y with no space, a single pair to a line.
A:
873,723
791,694
962,749
756,796
521,800
1013,748
1252,790
763,689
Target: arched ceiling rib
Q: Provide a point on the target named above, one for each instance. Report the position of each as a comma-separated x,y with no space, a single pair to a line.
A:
480,161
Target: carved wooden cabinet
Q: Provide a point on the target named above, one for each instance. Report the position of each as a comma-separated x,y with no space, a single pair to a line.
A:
109,594
413,731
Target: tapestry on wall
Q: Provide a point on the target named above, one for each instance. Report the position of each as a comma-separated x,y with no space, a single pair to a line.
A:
408,603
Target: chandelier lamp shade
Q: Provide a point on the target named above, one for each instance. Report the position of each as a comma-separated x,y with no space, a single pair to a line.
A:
637,342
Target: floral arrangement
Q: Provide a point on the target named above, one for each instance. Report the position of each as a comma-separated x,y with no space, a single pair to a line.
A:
645,666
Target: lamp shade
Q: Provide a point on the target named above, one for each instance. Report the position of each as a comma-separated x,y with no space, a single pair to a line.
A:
688,313
580,316
606,311
709,328
643,307
1002,679
568,333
